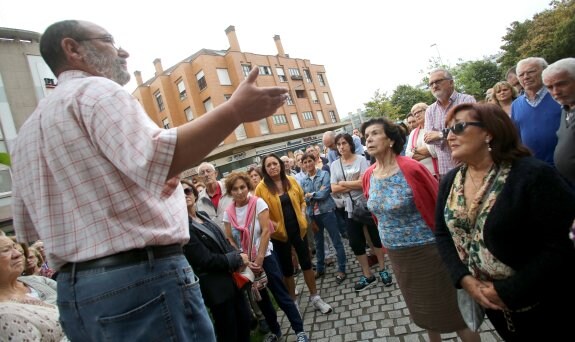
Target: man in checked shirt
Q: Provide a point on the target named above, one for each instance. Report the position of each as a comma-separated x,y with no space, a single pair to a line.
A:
443,89
97,181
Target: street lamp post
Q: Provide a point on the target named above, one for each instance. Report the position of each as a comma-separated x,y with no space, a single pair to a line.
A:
438,54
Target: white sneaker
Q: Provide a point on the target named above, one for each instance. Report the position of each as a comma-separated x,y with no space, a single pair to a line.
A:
320,305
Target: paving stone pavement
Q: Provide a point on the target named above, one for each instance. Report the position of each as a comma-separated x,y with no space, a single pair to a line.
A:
376,314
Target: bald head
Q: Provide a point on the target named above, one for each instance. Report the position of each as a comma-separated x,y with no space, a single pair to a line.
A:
328,140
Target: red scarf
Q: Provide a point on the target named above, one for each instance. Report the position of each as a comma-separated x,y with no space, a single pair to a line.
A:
245,229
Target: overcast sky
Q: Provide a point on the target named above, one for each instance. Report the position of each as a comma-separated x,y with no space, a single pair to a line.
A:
364,45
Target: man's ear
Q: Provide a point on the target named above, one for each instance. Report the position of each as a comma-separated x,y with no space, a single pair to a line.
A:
71,50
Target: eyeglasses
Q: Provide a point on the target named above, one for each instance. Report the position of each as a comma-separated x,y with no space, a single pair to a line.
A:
188,191
459,127
105,39
418,112
431,84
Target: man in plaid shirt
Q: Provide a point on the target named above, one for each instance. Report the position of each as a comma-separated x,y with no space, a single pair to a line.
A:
97,181
443,89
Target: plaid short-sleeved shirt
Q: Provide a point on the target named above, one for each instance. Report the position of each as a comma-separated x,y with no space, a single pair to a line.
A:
89,174
435,121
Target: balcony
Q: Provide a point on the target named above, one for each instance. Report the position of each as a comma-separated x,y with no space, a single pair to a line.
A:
296,77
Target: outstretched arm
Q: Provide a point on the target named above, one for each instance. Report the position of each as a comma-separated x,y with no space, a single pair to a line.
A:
248,103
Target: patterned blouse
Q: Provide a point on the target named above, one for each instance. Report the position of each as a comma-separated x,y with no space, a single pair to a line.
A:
399,222
466,226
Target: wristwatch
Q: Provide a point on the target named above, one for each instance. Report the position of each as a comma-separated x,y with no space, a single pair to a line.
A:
441,135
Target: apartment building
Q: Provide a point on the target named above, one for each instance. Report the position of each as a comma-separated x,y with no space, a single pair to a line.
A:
24,80
208,78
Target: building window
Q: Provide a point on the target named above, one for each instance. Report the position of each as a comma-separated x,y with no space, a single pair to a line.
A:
159,100
281,74
201,80
189,114
294,73
246,68
321,79
264,128
314,98
326,98
300,94
208,105
295,121
307,75
265,70
181,89
307,116
320,117
224,77
289,100
240,132
279,119
332,116
166,123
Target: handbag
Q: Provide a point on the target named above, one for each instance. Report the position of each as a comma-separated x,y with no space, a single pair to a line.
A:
473,314
244,278
360,212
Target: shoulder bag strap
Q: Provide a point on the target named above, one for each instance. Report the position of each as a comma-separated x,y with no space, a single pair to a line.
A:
343,173
252,231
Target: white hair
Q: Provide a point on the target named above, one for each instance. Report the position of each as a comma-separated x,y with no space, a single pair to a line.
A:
206,164
540,61
562,65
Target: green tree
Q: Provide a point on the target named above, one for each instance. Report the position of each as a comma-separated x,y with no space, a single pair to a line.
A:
475,77
550,34
380,105
405,96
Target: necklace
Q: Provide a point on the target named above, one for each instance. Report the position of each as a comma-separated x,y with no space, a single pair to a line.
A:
473,181
387,172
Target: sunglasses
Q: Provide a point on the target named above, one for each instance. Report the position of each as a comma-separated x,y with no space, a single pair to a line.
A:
459,127
188,191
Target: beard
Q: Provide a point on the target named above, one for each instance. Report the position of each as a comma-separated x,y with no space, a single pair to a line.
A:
108,66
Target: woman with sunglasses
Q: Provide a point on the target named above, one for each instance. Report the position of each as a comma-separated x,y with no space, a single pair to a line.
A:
214,259
416,147
503,219
401,194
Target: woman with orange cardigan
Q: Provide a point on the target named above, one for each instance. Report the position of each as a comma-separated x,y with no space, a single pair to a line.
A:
285,199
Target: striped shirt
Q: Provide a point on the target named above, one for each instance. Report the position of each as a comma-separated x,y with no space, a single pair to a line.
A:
90,170
435,121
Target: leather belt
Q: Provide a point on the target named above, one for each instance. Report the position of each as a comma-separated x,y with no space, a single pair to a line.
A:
125,258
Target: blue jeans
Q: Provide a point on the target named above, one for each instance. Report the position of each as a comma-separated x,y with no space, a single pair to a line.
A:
155,300
329,222
285,302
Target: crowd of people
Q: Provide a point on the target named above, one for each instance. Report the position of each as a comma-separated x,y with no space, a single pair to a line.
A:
465,197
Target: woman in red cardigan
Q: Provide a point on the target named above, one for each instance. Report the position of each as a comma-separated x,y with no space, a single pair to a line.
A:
401,195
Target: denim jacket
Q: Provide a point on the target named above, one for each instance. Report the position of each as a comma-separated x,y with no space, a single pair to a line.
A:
321,197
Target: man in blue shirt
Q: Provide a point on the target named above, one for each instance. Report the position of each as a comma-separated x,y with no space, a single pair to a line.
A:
535,113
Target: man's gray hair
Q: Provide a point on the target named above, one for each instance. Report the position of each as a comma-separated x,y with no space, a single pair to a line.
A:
565,64
208,165
539,60
445,72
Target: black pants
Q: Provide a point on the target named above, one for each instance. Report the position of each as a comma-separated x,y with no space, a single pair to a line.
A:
357,240
232,319
283,251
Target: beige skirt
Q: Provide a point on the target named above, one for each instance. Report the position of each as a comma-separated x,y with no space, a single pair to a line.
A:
426,288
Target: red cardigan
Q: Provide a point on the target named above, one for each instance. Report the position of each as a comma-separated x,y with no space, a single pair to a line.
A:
421,182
